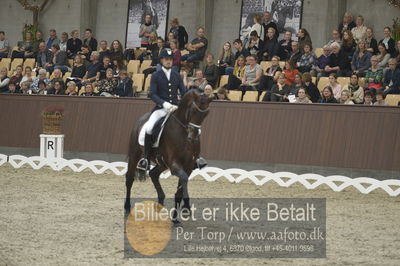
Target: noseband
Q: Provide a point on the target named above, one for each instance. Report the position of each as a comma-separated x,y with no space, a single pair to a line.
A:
191,125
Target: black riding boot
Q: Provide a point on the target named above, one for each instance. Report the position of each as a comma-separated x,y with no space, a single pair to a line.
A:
144,163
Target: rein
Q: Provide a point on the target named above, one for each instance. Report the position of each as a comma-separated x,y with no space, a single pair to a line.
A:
192,125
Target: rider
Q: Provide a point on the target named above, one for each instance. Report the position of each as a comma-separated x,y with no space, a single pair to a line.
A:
164,86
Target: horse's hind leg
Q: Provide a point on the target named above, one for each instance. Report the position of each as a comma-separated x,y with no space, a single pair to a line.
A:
155,178
134,156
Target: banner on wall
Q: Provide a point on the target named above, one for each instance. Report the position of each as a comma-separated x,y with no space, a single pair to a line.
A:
138,9
285,13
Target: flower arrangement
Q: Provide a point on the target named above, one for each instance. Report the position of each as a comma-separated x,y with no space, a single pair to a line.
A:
29,28
52,119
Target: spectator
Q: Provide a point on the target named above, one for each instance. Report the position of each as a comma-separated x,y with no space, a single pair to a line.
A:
78,71
258,27
4,45
25,48
256,45
235,78
64,41
222,95
145,30
355,90
370,42
368,98
59,59
290,72
359,31
361,59
208,91
38,40
345,98
327,96
74,44
304,38
226,58
57,77
338,63
57,89
335,86
310,88
285,46
348,44
92,69
89,40
302,97
118,66
374,76
336,37
271,75
397,53
170,37
271,45
52,39
321,62
25,88
153,40
296,85
199,81
211,71
104,50
240,50
107,87
391,82
116,51
176,56
268,23
252,75
307,60
388,41
17,77
383,56
4,80
279,91
89,90
125,85
296,53
347,23
155,58
180,33
71,89
28,78
380,99
197,49
44,56
85,53
12,89
101,74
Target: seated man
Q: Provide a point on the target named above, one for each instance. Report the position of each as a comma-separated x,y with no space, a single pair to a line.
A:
197,49
25,48
59,59
295,55
391,81
104,50
101,72
4,45
92,69
256,45
43,59
52,39
338,63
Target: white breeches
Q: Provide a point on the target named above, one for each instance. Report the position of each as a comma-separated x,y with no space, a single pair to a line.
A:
149,125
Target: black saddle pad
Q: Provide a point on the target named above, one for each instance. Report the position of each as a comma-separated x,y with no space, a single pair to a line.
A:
157,129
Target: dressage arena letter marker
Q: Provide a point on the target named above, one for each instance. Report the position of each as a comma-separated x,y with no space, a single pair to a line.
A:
51,146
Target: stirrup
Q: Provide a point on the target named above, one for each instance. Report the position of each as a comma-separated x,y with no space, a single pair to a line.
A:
201,163
143,165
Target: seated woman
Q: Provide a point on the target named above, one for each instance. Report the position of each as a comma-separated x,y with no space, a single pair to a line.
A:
208,90
380,99
311,89
348,45
226,58
302,97
359,31
321,62
383,56
74,44
89,90
125,85
285,46
17,77
279,92
199,81
270,75
155,58
116,51
235,79
368,98
304,38
42,77
107,87
71,89
252,75
176,55
327,96
25,47
345,98
356,91
4,80
211,71
388,41
370,42
297,84
28,77
152,45
307,60
335,86
118,66
361,60
271,45
290,72
170,37
222,95
374,76
336,37
78,70
57,89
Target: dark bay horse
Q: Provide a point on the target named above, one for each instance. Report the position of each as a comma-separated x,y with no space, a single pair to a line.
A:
178,149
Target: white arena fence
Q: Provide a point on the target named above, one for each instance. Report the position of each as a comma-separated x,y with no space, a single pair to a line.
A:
258,177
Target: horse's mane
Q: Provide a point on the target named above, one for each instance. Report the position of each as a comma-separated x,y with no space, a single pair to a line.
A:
185,103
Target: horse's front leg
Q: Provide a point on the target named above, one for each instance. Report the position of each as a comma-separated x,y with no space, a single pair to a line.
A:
182,192
155,178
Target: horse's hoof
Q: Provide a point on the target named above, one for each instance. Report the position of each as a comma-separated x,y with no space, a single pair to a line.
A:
175,222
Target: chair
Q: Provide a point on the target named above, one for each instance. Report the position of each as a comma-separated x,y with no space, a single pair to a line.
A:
138,80
30,62
262,96
5,62
147,83
235,96
250,96
319,52
224,80
66,75
322,83
16,62
343,81
133,66
145,65
265,65
314,80
71,62
393,99
81,91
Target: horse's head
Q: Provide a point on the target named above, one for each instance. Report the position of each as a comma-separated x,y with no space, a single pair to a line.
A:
193,109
